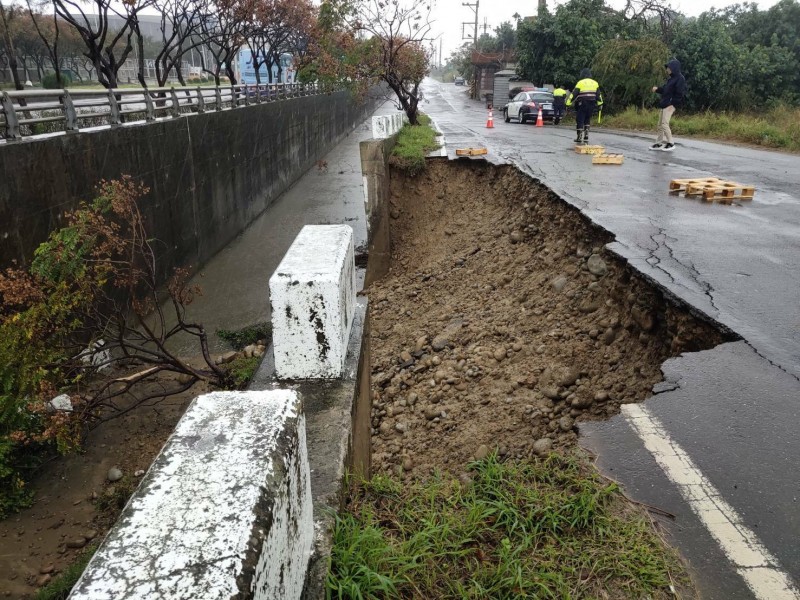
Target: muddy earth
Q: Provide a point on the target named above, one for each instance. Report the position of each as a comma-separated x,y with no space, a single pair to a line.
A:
76,501
503,323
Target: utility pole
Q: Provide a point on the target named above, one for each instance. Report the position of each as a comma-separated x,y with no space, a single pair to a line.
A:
440,53
474,23
474,8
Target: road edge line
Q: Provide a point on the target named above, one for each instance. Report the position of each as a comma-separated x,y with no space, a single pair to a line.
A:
759,569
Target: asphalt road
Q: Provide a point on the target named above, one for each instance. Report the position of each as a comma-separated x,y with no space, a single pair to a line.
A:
727,417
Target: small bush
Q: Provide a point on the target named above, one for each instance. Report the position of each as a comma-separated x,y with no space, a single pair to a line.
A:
49,81
241,371
246,336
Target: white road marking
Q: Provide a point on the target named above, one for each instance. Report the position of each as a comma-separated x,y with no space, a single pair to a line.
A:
759,569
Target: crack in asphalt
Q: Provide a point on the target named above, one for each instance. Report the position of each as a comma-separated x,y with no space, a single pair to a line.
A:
770,361
655,261
707,288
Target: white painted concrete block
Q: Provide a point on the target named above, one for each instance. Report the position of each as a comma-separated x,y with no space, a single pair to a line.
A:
224,512
380,127
384,126
312,294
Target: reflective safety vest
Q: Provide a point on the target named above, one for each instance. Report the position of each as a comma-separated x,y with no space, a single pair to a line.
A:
559,92
586,90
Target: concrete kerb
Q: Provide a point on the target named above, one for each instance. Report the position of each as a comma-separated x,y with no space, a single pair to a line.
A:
375,171
224,511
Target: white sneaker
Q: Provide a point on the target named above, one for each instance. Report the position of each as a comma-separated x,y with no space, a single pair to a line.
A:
668,148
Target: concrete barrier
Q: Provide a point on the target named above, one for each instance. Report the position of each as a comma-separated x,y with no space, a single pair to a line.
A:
225,511
312,294
384,126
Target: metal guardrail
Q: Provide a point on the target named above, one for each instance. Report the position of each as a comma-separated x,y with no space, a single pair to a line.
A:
22,110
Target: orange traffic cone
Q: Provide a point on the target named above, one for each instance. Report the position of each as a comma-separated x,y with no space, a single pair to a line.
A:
490,121
539,120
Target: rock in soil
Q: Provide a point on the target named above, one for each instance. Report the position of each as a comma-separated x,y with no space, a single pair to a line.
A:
114,474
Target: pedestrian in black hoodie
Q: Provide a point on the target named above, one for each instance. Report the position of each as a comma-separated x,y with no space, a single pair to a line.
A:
672,95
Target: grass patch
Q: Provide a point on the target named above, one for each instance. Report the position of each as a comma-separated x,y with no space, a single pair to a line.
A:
60,587
545,529
246,336
240,371
413,144
778,127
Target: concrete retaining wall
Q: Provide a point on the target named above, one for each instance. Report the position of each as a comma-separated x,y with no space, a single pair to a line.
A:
375,170
209,174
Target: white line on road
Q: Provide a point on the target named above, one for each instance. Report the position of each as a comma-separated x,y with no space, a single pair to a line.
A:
759,569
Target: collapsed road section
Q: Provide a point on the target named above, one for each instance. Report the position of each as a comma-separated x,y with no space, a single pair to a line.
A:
503,322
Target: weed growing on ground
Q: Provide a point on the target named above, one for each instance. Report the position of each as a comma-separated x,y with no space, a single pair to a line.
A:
779,127
61,586
115,497
241,370
414,143
246,336
546,529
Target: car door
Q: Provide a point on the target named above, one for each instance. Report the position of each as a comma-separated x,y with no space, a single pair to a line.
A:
516,104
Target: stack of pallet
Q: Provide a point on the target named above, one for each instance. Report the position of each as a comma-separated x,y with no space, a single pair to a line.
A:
599,156
712,189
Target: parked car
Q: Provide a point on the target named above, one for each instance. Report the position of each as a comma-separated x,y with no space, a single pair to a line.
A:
525,107
459,81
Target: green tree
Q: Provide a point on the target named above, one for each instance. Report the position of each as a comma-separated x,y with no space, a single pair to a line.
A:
553,48
628,69
711,62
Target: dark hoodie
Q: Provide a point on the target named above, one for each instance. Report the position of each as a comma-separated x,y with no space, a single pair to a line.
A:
674,90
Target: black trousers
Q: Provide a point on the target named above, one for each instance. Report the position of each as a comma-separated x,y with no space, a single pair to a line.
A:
584,113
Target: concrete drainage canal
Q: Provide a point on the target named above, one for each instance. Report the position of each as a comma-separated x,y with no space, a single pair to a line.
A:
503,323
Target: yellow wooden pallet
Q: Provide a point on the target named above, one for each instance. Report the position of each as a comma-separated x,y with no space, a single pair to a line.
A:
713,189
608,159
681,185
470,151
724,193
586,149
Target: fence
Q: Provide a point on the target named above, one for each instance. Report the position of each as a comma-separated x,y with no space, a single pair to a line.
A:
31,112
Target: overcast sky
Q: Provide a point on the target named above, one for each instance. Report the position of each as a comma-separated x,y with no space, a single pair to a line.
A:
449,14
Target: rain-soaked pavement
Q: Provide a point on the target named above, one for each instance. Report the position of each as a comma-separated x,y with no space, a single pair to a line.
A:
733,410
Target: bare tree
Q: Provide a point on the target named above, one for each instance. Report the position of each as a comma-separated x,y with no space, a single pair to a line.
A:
106,47
9,17
49,32
180,28
224,28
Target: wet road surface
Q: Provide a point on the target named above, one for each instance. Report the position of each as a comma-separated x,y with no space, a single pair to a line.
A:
732,411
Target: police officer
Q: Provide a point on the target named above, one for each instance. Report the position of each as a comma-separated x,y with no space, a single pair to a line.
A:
559,103
587,98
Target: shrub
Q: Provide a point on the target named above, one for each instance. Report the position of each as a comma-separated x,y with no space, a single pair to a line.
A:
95,278
49,81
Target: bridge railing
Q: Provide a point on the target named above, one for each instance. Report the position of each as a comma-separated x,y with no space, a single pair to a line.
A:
27,113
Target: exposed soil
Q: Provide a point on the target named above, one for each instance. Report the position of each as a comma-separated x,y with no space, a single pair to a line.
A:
503,321
75,504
